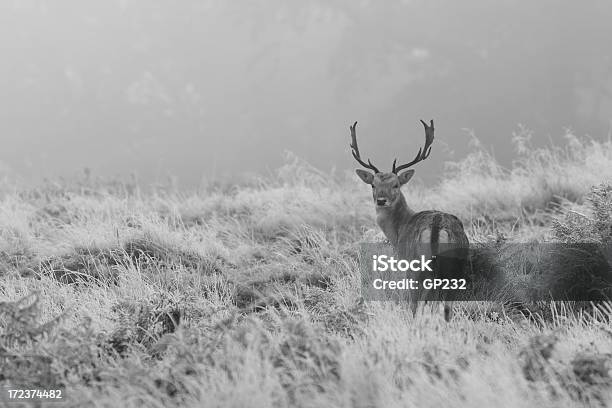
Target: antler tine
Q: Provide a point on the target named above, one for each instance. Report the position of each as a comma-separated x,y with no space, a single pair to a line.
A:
423,151
355,150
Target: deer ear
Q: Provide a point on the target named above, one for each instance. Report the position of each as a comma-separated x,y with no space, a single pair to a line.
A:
366,176
405,176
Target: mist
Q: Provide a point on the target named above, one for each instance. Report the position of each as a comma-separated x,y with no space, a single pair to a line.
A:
201,90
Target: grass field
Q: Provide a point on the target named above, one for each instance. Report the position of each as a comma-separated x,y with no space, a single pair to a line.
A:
249,295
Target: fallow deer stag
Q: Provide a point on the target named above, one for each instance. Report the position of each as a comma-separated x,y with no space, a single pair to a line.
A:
407,230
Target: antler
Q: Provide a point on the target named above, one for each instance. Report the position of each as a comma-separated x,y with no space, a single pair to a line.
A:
423,152
355,151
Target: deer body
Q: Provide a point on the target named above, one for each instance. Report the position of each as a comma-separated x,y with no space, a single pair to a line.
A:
426,228
411,232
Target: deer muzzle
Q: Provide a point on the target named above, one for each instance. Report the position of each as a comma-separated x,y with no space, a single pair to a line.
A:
382,202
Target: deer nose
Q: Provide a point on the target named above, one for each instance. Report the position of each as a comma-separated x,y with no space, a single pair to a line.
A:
381,201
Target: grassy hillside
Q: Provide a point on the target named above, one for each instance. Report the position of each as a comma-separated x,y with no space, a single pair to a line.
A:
249,295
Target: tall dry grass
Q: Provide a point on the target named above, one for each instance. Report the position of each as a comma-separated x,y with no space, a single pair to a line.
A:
248,295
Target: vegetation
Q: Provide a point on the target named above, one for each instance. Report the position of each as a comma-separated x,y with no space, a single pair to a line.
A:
249,295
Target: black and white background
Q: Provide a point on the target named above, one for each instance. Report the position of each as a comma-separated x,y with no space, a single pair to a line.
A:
180,221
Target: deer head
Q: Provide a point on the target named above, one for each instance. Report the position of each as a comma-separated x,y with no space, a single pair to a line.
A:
386,186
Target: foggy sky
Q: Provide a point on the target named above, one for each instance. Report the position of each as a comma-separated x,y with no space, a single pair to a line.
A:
203,89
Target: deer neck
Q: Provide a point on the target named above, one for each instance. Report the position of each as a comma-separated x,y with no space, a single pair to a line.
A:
391,218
